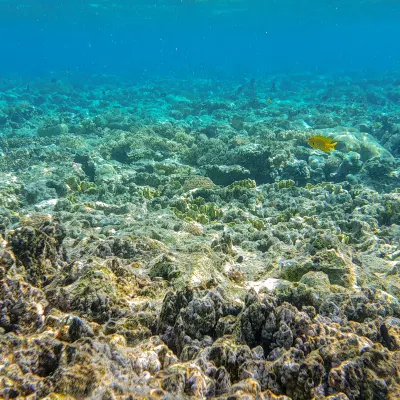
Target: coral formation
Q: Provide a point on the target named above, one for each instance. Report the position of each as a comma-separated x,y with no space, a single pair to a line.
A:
199,248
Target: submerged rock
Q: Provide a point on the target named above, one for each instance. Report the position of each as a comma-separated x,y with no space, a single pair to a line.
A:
52,130
165,248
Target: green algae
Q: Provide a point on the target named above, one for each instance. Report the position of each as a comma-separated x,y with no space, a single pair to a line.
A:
197,181
197,209
78,185
244,184
149,193
284,184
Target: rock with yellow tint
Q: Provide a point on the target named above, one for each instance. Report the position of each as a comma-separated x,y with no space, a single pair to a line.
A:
337,267
197,181
363,143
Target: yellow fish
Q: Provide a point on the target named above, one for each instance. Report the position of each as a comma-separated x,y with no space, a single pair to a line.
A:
322,143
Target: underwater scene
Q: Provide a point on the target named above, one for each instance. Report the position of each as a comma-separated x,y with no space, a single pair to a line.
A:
200,199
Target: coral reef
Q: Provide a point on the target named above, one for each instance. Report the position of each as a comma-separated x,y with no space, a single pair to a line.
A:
160,243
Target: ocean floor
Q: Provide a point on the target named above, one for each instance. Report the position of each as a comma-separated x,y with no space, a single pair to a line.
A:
179,239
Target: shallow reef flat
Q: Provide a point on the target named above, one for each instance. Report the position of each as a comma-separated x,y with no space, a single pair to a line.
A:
179,239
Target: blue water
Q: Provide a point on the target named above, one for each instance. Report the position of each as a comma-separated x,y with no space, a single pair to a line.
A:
184,37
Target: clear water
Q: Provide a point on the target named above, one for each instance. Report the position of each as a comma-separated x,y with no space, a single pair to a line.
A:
184,37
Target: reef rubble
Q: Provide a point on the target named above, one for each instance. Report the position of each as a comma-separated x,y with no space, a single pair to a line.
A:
160,242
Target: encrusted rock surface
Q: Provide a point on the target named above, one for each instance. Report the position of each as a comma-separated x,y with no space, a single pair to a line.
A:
202,250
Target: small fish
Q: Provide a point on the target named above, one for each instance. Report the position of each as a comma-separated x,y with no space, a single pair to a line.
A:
322,143
269,100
